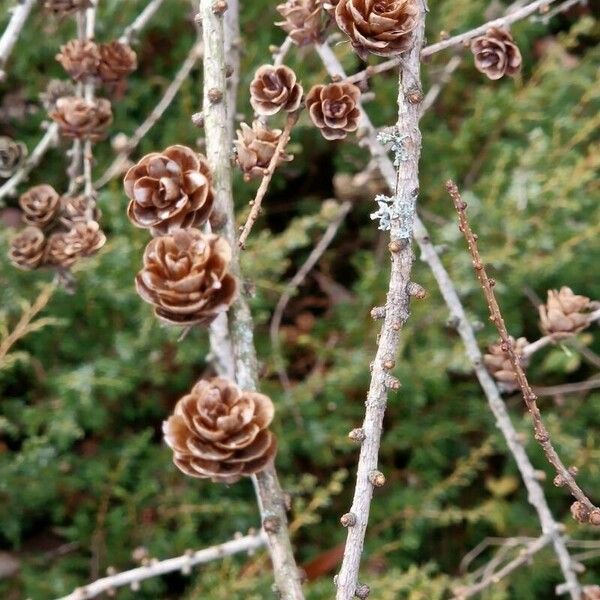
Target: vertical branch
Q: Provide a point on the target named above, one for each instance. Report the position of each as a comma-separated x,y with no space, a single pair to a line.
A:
535,493
395,314
88,92
11,34
218,149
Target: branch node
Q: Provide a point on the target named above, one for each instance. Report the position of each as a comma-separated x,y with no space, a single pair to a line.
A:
215,95
357,435
271,524
376,478
391,382
417,291
362,591
378,312
198,119
348,519
219,7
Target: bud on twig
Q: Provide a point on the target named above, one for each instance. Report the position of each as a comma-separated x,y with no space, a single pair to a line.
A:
377,478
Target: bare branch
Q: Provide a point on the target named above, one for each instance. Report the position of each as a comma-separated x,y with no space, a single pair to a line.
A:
535,493
406,189
132,30
541,433
525,556
9,38
182,563
444,77
457,40
281,52
270,497
266,180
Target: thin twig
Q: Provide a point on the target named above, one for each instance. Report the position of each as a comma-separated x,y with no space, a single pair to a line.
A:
281,52
9,38
184,563
525,555
394,314
117,165
296,280
270,497
132,30
568,388
541,433
266,180
457,40
49,139
535,493
561,8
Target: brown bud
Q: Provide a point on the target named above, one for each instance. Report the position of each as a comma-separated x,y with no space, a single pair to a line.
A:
362,591
357,435
377,478
348,519
215,95
580,512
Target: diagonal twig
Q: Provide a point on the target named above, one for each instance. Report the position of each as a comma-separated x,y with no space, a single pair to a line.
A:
564,475
132,30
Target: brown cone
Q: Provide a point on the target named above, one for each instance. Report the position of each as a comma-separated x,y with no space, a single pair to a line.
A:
333,109
169,190
40,204
56,88
564,313
255,147
27,248
384,27
220,432
75,208
186,277
117,60
83,239
78,118
12,155
274,89
498,363
66,7
302,20
496,54
79,58
329,6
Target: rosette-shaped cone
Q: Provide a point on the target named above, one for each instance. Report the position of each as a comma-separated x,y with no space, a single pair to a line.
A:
220,432
382,27
117,60
79,118
591,592
255,147
498,363
333,109
12,155
66,7
40,205
79,58
274,89
565,313
302,20
65,248
27,248
186,277
496,53
169,190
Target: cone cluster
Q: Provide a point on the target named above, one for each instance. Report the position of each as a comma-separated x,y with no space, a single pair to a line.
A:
59,231
186,273
221,432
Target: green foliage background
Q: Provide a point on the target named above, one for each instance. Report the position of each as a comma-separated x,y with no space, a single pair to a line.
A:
84,477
